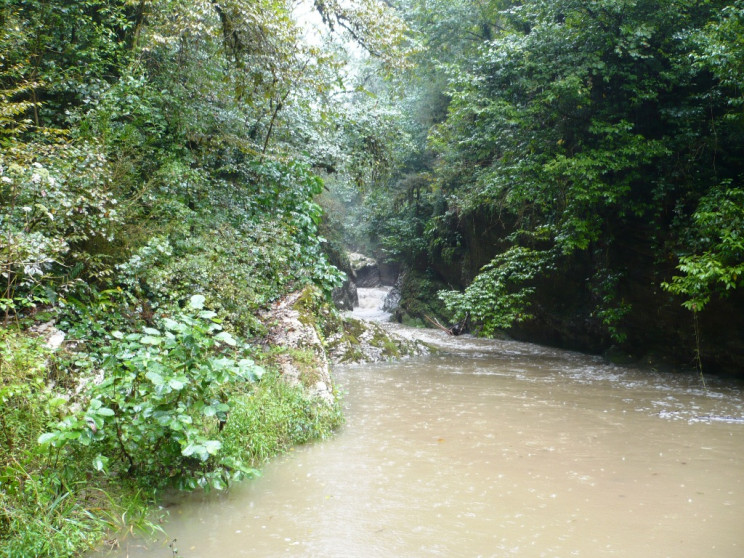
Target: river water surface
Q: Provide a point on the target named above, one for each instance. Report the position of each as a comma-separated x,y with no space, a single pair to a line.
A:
493,448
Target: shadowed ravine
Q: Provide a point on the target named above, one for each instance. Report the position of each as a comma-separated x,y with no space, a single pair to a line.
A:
493,448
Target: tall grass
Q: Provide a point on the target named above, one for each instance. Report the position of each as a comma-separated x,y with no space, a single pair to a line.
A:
274,417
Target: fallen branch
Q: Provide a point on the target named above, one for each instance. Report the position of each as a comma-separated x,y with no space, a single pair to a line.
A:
434,322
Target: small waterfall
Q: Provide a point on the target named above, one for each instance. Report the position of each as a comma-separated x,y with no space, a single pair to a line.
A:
371,301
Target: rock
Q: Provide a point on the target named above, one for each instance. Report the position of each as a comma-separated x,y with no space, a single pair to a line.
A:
302,358
392,300
366,272
346,297
362,341
53,337
389,272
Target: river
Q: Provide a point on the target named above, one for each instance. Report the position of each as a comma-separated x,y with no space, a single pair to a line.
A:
492,448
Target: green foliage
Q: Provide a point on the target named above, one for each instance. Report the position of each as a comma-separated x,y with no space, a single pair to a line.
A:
150,151
47,506
718,267
56,199
41,521
237,253
500,294
721,51
589,131
161,400
58,55
22,395
374,25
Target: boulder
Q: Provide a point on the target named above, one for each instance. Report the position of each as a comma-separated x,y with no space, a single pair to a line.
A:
365,271
392,300
360,341
346,297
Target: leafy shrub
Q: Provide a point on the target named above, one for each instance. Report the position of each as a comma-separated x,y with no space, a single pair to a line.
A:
162,401
57,198
250,243
717,267
46,507
499,295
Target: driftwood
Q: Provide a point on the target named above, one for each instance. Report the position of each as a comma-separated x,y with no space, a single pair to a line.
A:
458,329
436,323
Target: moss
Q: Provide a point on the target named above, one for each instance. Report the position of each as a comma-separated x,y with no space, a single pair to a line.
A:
354,328
316,311
351,331
305,360
353,355
383,341
307,305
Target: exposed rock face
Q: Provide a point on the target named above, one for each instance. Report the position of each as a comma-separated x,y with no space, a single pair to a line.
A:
659,330
366,272
303,360
346,297
389,272
53,337
392,300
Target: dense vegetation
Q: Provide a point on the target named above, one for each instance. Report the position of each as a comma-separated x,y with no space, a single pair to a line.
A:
568,171
158,177
578,173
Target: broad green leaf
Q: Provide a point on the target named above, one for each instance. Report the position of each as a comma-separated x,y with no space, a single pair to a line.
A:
177,383
197,450
151,340
48,437
197,302
213,446
155,378
172,325
226,338
100,463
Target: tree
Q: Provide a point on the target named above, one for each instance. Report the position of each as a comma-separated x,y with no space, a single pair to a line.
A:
579,125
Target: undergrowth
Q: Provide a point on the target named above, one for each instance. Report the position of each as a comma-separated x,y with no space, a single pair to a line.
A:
81,461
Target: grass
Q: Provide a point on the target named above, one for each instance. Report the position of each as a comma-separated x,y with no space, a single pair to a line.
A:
275,417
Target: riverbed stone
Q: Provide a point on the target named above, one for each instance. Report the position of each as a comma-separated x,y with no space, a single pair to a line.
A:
363,341
346,297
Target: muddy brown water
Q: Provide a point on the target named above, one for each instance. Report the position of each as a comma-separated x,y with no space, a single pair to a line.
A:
492,448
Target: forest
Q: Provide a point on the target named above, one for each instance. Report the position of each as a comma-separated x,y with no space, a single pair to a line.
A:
560,171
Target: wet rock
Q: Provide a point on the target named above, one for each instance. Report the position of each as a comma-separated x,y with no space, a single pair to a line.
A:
301,357
389,272
362,341
392,300
366,272
346,297
53,337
